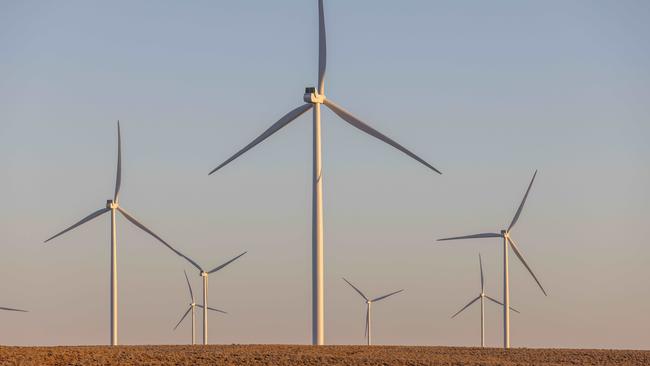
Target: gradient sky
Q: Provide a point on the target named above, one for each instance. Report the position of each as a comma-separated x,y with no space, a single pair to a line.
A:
485,91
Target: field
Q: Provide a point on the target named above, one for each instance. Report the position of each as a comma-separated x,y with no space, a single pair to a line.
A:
307,355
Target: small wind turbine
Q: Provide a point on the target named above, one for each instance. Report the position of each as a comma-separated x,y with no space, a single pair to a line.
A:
203,273
113,206
313,98
193,305
507,242
482,297
369,302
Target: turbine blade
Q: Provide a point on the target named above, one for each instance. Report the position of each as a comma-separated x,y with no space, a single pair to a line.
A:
385,296
270,131
189,286
213,309
11,309
365,333
184,315
145,229
521,205
217,310
521,258
480,263
81,222
356,289
354,121
466,306
322,48
118,176
227,263
500,303
474,236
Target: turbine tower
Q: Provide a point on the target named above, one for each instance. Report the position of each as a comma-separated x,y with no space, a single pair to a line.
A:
507,243
192,307
368,331
314,97
113,206
482,296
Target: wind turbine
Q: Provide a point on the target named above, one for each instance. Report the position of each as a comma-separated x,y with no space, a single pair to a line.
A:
482,296
192,307
204,274
113,206
507,242
369,302
313,98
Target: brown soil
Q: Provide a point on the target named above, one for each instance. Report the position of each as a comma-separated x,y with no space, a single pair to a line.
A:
306,355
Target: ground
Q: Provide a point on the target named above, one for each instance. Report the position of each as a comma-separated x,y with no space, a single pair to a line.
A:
279,355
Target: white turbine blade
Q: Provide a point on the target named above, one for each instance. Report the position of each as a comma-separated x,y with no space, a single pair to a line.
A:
521,205
118,176
189,286
184,315
11,309
354,121
285,120
145,229
474,236
227,263
322,48
385,296
466,306
480,263
500,303
213,309
365,333
81,222
521,258
356,289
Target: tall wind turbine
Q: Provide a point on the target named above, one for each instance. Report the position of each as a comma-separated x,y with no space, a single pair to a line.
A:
482,296
313,98
113,206
507,242
192,307
368,332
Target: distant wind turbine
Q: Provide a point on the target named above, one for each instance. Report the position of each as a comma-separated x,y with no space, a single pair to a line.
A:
113,206
507,242
192,307
203,273
482,297
368,332
313,98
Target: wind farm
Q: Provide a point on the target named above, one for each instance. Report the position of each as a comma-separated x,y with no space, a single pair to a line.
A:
535,113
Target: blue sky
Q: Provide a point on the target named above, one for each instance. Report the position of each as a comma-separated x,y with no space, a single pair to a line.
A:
486,92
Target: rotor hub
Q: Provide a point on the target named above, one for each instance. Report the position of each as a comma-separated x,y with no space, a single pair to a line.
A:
112,204
312,96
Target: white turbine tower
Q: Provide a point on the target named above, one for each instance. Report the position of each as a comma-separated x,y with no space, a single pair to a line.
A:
482,296
113,206
507,242
313,98
368,331
192,308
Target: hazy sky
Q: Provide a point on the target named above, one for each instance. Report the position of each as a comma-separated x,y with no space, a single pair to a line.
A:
485,91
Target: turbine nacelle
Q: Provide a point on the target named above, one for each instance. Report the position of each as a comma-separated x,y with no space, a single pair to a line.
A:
312,96
112,205
204,274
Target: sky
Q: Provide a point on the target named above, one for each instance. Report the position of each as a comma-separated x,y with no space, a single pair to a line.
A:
487,92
